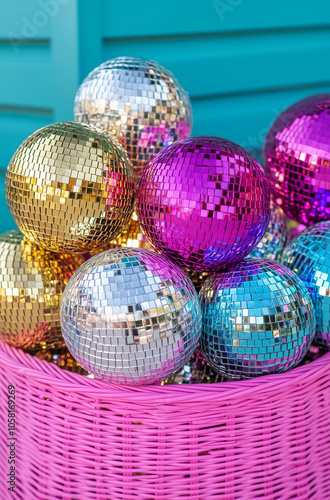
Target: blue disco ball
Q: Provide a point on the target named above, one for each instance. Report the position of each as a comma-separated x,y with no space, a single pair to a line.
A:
258,318
308,256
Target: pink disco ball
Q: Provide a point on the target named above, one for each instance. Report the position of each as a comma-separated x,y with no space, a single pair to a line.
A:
297,157
204,202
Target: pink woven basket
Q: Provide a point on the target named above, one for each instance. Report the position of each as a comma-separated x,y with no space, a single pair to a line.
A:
79,438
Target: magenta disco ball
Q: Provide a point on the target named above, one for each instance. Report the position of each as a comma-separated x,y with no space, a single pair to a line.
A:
297,157
204,202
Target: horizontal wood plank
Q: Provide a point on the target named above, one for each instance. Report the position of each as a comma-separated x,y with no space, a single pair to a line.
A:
134,19
245,119
22,52
30,19
27,84
226,64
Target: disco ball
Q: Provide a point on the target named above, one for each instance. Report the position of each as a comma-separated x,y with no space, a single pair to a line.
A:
130,316
70,187
140,102
297,156
204,202
258,318
308,256
32,281
276,237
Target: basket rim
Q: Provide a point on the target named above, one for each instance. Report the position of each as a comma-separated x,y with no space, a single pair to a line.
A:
42,371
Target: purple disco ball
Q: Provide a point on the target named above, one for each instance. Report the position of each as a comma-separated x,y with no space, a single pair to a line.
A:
258,319
297,157
204,202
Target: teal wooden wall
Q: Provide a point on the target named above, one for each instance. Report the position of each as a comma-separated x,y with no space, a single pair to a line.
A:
242,61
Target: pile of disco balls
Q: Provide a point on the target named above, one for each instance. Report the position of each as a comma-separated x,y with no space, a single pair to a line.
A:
123,218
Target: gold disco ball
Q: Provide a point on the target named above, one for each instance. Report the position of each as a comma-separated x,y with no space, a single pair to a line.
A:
32,281
70,187
140,102
131,237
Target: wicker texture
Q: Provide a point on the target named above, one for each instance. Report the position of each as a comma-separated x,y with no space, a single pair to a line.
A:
80,438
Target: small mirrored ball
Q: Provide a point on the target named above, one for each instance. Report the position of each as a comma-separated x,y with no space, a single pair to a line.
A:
131,316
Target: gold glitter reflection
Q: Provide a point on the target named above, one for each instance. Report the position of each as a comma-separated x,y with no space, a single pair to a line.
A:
32,282
62,358
131,237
